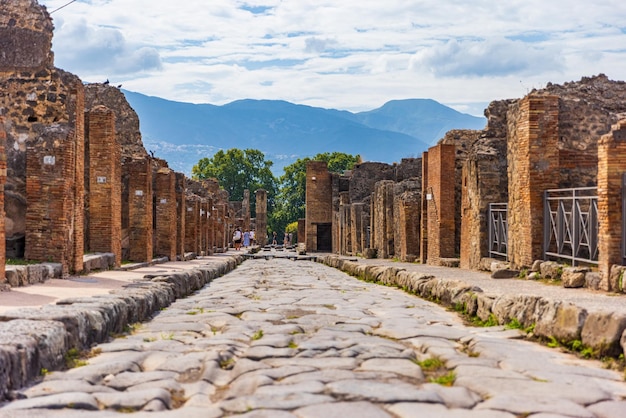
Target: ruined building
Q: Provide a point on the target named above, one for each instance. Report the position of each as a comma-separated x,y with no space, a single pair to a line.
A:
78,178
543,180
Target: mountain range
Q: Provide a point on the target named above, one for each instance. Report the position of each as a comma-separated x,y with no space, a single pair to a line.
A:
182,133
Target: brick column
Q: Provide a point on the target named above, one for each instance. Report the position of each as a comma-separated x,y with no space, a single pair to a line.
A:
382,218
105,183
301,230
424,212
140,210
54,192
319,204
181,210
3,179
261,217
213,226
166,213
192,211
611,168
533,167
440,201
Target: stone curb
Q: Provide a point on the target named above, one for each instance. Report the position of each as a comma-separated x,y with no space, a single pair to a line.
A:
603,332
33,339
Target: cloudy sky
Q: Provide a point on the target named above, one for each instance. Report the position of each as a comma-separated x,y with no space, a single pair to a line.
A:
343,54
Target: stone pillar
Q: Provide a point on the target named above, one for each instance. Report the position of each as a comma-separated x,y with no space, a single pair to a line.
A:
261,217
301,230
533,167
140,210
345,230
166,213
611,169
192,210
382,218
440,202
223,238
356,227
424,211
213,227
245,210
55,189
204,226
181,210
408,207
319,207
3,179
105,183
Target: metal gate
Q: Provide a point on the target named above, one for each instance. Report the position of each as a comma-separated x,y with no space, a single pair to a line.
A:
498,230
571,224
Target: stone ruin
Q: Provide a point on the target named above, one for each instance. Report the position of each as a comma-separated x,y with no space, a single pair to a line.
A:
74,175
560,137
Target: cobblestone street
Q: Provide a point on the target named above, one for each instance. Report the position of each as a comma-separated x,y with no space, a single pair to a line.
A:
280,338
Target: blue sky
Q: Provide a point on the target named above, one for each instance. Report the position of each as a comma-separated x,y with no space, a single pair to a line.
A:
347,54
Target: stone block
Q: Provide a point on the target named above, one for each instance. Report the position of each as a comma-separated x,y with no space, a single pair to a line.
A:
603,331
574,277
592,280
563,321
551,270
616,279
505,274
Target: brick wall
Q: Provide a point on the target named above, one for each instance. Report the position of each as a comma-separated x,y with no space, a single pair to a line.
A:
104,184
140,210
166,213
611,168
345,220
319,209
533,166
440,200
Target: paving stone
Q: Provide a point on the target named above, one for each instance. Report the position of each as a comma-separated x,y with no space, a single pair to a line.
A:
52,387
382,391
262,352
73,400
135,400
124,380
424,410
608,409
342,409
284,402
268,413
96,372
547,403
454,396
399,366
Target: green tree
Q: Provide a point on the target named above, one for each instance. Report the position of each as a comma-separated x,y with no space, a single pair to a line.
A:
291,199
237,170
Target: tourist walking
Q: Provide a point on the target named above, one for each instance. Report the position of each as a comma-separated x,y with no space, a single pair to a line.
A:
237,239
246,239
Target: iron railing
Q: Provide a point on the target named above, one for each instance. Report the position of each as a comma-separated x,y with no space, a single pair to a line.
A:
498,230
571,224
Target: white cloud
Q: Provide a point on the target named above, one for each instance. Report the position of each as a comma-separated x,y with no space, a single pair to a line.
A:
349,54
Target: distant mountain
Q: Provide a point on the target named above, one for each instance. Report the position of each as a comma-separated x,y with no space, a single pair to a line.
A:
182,133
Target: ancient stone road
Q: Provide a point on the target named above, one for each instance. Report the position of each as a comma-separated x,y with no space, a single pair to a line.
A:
278,338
